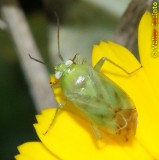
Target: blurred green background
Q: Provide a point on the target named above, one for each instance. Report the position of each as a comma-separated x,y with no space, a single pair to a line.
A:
93,21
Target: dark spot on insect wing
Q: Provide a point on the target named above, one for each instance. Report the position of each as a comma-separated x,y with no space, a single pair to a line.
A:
101,96
102,116
117,98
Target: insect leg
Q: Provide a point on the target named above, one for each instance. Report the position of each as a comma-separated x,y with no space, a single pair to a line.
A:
76,58
100,63
125,122
54,85
61,105
96,131
51,122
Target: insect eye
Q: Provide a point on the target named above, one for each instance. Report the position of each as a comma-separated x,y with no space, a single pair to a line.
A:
68,63
58,75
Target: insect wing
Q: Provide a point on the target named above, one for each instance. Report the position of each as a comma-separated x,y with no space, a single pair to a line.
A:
100,100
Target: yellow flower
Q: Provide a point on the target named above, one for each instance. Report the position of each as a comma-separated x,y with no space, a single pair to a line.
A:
70,137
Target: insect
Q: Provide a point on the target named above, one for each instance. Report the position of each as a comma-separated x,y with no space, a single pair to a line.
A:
94,96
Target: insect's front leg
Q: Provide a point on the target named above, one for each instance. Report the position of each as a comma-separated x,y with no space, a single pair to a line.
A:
54,85
51,124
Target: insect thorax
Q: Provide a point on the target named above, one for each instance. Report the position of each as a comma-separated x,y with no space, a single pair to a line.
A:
76,79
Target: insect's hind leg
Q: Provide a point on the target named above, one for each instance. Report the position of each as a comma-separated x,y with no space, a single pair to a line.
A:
96,131
100,63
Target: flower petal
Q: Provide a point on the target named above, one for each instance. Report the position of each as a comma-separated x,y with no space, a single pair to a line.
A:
33,151
149,55
71,138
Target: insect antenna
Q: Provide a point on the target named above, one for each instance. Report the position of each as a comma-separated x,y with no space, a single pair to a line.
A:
58,37
36,59
39,61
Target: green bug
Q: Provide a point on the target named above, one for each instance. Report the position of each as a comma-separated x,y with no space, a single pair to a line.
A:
96,97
